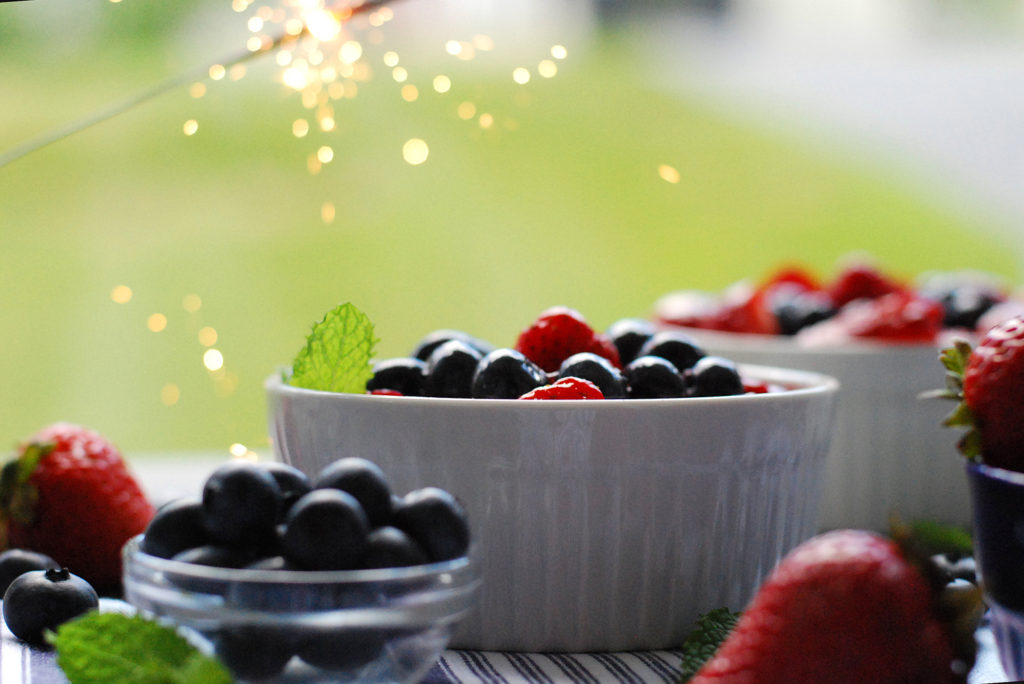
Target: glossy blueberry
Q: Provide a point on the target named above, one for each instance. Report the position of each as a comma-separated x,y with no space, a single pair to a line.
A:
241,504
390,547
326,529
176,526
16,562
426,346
362,479
628,335
714,376
436,521
653,377
341,649
450,370
217,556
292,482
795,309
597,370
271,563
506,374
954,566
254,652
42,600
964,305
405,375
677,347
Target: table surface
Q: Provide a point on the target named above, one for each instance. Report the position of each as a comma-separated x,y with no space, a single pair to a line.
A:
166,477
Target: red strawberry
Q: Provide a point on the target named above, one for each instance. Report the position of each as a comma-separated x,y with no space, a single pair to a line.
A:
989,383
566,388
744,309
861,281
895,317
68,494
557,334
844,607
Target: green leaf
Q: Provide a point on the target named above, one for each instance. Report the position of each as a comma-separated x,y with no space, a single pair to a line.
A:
337,354
962,416
707,635
937,537
111,648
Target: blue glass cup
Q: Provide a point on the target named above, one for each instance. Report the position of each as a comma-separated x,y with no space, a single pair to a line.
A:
997,502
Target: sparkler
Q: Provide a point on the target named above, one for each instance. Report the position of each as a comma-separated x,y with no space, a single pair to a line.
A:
316,22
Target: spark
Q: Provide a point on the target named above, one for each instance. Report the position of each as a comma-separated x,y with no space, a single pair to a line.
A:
122,294
415,151
191,303
207,336
157,322
213,359
668,174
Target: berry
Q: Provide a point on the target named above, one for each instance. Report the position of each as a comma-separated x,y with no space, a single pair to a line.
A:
652,377
506,374
362,479
178,525
341,649
743,309
326,529
42,600
69,494
15,562
566,388
558,333
714,376
993,391
846,606
253,652
292,482
217,556
598,370
679,348
436,521
861,281
390,547
403,375
628,335
796,309
241,504
898,317
426,346
965,305
450,369
686,308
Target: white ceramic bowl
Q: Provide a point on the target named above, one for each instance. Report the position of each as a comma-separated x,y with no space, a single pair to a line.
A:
890,453
602,525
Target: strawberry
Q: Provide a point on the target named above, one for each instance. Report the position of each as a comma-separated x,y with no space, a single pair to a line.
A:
68,494
566,388
988,381
861,281
847,606
557,334
744,309
895,317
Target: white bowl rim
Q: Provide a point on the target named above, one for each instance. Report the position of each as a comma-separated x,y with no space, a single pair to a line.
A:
799,384
455,567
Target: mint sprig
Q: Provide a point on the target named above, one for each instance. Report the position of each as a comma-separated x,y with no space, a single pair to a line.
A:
337,354
707,635
100,648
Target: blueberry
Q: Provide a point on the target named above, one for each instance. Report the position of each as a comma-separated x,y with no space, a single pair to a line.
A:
628,335
292,482
404,375
714,376
16,562
41,600
216,556
653,377
506,374
954,566
597,370
176,526
271,563
252,652
426,346
964,305
326,529
450,370
795,309
678,347
341,649
241,504
436,521
390,547
362,479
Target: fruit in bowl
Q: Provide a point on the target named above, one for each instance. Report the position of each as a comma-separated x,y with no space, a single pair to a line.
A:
321,578
600,524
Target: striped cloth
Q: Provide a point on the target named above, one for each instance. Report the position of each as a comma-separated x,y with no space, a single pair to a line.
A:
457,667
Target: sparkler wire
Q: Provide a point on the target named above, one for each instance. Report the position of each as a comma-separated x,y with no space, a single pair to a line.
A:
172,83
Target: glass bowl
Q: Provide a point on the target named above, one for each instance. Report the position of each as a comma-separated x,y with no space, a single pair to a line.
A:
382,625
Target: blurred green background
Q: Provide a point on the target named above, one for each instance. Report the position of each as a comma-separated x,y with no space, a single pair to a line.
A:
222,234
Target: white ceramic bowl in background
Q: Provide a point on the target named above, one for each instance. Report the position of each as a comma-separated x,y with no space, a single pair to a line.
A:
890,452
602,525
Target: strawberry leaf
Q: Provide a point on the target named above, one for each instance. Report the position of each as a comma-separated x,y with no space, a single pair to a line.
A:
337,354
707,635
962,416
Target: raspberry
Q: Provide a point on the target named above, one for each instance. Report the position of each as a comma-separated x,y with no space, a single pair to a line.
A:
861,281
566,388
896,317
557,334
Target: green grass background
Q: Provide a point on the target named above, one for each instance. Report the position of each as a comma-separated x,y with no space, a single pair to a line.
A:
559,203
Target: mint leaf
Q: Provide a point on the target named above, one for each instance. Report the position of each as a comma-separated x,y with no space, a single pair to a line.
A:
100,648
337,354
707,635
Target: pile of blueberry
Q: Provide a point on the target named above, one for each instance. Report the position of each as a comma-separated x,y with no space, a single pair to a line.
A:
271,516
652,365
39,595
